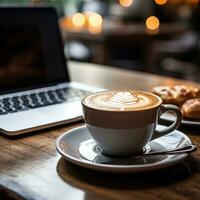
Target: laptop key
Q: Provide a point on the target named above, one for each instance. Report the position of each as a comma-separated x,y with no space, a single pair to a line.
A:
19,107
3,111
10,109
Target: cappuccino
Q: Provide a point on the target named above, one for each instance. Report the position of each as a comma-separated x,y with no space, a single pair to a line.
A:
122,100
122,122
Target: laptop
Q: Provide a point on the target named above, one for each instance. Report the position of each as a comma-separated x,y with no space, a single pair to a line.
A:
35,89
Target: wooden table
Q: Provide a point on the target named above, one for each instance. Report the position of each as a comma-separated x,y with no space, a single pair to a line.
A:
31,168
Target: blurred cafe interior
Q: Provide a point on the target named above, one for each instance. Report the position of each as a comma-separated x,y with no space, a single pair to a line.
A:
156,36
146,45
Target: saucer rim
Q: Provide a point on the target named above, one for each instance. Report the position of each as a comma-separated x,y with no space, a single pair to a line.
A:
83,162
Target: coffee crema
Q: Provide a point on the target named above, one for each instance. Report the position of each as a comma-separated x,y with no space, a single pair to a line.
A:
122,100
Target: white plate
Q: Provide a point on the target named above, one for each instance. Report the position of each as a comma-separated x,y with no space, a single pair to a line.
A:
171,118
78,147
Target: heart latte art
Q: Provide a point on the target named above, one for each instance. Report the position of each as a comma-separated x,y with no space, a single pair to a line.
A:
125,100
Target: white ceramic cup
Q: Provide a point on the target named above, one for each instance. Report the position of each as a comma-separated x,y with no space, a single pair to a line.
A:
124,133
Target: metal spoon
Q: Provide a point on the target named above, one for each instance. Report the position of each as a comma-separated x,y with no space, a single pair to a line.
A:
187,149
103,159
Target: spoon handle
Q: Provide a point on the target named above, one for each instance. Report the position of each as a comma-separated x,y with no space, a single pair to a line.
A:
188,149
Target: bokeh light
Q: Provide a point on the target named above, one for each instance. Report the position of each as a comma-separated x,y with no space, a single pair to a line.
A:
161,2
78,20
125,3
95,20
152,23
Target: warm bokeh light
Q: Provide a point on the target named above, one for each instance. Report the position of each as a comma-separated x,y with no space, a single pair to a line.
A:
152,23
78,20
125,3
161,2
95,20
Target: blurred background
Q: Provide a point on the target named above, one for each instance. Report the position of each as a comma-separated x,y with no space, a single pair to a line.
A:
156,36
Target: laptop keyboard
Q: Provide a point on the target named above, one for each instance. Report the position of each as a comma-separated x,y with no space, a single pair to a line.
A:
35,100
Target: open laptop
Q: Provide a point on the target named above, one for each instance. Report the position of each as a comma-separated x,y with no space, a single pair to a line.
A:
35,90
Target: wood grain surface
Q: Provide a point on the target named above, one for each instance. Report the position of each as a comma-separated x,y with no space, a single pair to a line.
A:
31,168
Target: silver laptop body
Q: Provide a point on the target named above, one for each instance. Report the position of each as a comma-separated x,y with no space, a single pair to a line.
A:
32,71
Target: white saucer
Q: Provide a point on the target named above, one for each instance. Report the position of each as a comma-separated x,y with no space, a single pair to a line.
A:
78,147
170,117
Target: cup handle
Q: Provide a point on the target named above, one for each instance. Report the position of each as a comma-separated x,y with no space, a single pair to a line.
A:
165,108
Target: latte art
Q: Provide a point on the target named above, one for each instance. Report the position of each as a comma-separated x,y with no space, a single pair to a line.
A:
125,100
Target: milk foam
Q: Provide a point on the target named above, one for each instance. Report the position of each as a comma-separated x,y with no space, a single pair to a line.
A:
121,100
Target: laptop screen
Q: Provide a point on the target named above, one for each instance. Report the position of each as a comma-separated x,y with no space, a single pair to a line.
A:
31,51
